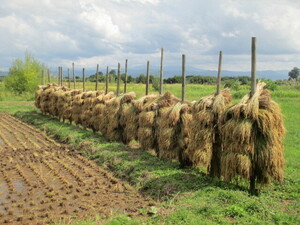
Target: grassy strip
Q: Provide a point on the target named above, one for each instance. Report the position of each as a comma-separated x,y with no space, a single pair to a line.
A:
16,106
193,91
189,196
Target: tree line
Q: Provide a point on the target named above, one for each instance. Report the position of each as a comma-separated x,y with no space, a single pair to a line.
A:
192,79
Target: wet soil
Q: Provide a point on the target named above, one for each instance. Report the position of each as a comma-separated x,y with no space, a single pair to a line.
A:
42,182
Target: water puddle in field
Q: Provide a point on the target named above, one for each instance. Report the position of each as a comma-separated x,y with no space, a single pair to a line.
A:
3,194
18,185
1,142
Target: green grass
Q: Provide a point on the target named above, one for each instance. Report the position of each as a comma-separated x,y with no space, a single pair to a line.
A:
193,91
187,196
16,106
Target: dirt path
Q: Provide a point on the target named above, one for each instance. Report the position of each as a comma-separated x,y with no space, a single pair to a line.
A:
42,182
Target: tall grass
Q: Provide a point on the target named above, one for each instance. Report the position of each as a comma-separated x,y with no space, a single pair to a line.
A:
6,95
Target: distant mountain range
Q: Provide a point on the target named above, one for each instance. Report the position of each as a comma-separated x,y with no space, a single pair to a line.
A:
170,72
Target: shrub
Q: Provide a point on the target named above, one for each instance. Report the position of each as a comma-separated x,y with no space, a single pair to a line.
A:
232,84
24,76
155,83
235,211
271,85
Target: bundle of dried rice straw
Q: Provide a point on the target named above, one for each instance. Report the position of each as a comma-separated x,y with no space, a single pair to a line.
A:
45,97
87,108
252,134
77,107
63,102
54,96
97,119
112,111
168,130
147,120
203,127
38,94
129,118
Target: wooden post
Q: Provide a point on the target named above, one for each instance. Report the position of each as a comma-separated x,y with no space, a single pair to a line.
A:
253,66
126,75
49,76
106,80
253,190
183,79
61,76
97,71
118,82
83,79
43,78
74,78
148,77
58,76
69,82
219,73
215,161
161,71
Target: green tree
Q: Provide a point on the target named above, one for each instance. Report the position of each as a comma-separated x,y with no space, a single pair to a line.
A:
155,82
271,85
24,76
232,84
294,73
244,80
130,79
112,76
113,72
141,78
101,77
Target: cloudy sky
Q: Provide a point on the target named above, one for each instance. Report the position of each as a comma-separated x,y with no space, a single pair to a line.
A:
87,32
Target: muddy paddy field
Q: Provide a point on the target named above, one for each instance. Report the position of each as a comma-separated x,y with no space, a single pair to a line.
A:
43,182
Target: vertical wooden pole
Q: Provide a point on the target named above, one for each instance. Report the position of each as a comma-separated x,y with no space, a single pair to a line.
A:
49,76
106,80
74,78
118,82
148,77
183,79
61,76
219,73
43,78
215,161
58,76
253,175
253,66
126,75
161,71
83,79
69,81
97,71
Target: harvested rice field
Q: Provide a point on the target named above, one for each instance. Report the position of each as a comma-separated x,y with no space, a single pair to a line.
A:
43,182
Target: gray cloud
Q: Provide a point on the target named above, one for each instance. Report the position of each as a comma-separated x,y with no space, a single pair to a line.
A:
107,31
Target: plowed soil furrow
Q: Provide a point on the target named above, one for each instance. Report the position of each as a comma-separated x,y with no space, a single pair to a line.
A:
8,141
38,142
39,136
16,136
42,182
26,130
